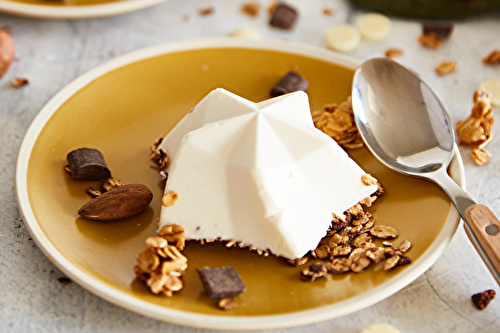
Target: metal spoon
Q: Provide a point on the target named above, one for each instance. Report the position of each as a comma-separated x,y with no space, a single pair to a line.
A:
406,127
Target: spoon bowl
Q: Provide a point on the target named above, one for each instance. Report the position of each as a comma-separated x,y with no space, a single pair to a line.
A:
406,127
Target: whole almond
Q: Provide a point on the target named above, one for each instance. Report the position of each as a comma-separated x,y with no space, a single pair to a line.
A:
7,50
119,203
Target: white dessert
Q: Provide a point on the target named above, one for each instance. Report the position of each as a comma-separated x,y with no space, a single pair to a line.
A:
258,173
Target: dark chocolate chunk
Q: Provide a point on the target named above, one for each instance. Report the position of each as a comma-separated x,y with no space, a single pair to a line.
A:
292,81
283,16
442,29
221,282
87,164
482,300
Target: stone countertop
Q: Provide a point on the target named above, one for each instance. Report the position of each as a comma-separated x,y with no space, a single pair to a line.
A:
53,53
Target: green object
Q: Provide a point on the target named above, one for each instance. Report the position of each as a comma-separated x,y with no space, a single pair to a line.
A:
430,9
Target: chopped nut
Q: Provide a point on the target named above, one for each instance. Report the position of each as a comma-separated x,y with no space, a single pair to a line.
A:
482,300
19,82
393,53
206,11
476,129
384,232
226,304
148,261
110,183
430,40
322,251
313,272
446,67
339,265
341,250
93,192
375,254
368,179
337,122
174,234
297,262
360,263
156,242
391,262
362,239
480,156
169,199
251,8
493,58
405,246
328,11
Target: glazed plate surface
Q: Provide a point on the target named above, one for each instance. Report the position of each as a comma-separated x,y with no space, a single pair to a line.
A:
125,105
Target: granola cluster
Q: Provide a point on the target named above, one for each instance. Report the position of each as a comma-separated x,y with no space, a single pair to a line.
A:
162,265
159,157
349,245
476,129
337,121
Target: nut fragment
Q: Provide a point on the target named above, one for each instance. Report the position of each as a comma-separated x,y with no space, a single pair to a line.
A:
368,179
297,262
384,232
174,234
391,262
313,272
322,251
405,246
251,8
393,53
169,198
446,67
430,40
480,156
110,183
476,129
337,122
226,304
19,82
493,58
482,300
339,265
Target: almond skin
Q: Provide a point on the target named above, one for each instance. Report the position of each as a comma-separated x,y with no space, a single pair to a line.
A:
119,203
7,51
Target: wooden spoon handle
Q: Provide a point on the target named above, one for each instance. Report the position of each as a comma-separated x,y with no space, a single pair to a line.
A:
486,228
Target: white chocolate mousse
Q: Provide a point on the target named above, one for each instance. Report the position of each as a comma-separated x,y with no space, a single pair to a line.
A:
258,173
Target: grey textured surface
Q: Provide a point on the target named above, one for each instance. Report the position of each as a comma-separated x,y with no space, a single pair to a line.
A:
52,53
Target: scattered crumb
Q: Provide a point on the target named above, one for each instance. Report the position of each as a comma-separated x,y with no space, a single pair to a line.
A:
328,11
64,281
19,82
393,53
206,11
251,8
446,67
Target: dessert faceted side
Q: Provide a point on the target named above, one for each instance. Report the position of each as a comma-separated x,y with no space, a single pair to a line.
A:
258,173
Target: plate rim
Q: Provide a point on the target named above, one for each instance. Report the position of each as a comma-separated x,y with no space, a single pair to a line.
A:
206,321
75,12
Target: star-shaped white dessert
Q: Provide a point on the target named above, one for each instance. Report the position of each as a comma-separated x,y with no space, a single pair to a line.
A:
258,173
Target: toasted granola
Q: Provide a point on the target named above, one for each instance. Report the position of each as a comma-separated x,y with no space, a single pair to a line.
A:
337,121
430,40
446,67
393,53
493,58
476,129
161,265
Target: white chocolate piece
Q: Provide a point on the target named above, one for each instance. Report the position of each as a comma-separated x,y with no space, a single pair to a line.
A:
380,328
343,38
247,33
258,173
493,86
373,26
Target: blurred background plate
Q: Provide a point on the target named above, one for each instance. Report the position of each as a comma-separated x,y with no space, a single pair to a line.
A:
73,9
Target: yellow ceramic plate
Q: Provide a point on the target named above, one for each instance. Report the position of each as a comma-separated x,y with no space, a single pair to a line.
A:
73,9
125,105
